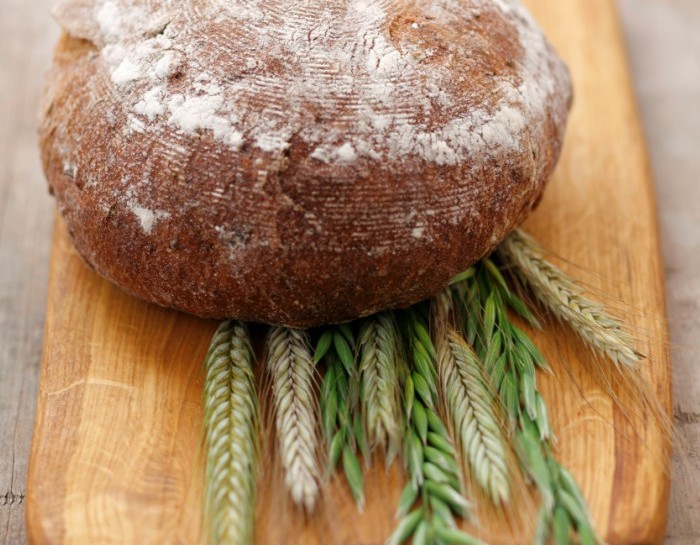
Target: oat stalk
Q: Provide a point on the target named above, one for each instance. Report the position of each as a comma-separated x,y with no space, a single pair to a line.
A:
468,401
559,292
297,420
231,435
379,384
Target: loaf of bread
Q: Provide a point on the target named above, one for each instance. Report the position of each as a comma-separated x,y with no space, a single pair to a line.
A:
297,162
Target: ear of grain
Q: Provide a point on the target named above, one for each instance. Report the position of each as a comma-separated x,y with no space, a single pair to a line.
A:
428,454
343,428
231,435
468,403
379,376
560,293
297,420
512,360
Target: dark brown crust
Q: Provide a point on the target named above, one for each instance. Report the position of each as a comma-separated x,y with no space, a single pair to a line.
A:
331,248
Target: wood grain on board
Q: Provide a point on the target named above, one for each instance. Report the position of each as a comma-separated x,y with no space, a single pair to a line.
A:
117,433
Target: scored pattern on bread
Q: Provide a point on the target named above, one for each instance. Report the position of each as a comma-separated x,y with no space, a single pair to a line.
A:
297,162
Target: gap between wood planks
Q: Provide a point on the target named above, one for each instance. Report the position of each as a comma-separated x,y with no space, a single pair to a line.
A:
8,499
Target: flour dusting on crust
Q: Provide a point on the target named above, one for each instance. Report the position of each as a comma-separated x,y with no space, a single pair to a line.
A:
331,54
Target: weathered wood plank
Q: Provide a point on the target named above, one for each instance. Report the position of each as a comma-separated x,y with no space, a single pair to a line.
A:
664,47
25,223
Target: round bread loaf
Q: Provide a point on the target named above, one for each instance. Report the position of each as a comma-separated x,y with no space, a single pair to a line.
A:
297,162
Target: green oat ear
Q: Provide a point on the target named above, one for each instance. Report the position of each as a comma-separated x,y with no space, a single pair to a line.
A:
231,435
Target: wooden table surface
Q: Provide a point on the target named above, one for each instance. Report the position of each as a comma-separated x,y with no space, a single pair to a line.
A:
663,39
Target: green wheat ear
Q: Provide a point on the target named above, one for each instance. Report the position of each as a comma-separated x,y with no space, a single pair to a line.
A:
231,435
563,297
433,496
379,383
511,359
341,418
293,372
468,401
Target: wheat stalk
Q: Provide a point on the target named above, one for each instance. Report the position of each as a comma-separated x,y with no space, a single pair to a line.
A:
297,418
511,360
380,395
230,431
469,404
560,293
429,457
340,406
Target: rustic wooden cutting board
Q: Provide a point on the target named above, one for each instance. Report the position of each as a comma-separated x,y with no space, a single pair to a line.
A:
117,433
